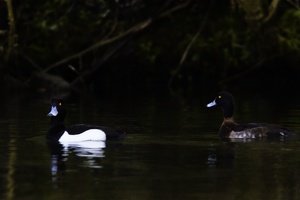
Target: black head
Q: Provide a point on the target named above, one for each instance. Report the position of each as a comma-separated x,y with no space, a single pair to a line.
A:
225,101
58,110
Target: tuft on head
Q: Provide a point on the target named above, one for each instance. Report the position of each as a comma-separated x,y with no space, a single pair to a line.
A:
56,102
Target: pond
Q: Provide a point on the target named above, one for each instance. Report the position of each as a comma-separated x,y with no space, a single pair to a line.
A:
171,150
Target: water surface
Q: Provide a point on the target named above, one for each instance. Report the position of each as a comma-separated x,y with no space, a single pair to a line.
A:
171,151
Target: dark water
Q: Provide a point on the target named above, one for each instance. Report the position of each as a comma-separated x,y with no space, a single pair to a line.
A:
171,151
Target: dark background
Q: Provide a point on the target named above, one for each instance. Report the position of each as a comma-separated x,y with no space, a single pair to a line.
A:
139,45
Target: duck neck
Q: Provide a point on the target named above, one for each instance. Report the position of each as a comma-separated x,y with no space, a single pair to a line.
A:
227,126
57,128
59,119
228,111
55,132
229,120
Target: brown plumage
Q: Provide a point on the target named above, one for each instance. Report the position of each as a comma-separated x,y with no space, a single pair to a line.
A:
232,129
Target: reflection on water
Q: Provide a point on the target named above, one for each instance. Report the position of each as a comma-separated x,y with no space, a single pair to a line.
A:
11,169
171,151
91,151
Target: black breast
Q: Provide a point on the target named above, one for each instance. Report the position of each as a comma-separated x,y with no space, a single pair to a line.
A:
55,132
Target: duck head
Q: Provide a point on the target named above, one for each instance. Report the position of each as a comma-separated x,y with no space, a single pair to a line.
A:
225,101
58,110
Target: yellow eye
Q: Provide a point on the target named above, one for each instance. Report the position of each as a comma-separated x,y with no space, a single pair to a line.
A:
219,97
59,104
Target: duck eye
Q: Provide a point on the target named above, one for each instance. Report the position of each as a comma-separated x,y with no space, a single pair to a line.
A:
219,97
59,104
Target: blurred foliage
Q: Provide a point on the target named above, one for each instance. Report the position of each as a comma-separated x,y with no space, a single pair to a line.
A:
236,36
288,32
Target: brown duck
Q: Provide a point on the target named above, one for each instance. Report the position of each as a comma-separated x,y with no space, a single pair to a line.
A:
232,129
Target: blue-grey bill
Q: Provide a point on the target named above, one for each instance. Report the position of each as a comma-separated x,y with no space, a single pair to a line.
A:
53,112
211,104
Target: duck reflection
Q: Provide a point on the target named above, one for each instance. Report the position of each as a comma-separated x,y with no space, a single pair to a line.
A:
84,141
87,149
92,153
221,156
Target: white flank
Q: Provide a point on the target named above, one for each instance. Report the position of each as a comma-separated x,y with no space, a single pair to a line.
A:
89,135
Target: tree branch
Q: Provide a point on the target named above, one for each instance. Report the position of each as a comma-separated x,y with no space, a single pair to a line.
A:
272,9
11,34
296,5
243,73
134,29
185,53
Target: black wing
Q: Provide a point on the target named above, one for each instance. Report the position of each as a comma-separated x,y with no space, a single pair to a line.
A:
110,133
265,129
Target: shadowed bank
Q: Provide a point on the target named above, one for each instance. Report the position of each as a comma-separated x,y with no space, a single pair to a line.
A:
179,45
